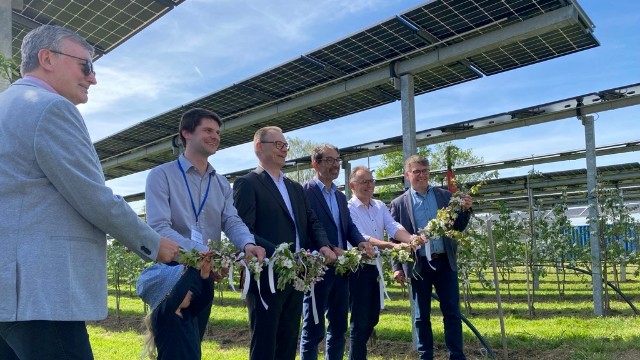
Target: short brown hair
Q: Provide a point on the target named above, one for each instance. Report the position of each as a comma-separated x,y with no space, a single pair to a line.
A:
192,118
415,159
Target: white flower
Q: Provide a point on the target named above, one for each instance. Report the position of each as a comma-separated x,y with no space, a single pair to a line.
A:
287,263
282,246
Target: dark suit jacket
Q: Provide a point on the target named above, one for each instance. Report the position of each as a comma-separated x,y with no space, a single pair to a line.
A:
319,205
402,212
263,210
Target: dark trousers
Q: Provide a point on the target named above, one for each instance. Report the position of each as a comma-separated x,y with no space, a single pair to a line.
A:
44,340
203,317
445,282
332,299
274,332
364,301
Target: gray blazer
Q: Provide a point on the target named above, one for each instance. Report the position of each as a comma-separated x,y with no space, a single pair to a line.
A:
402,212
55,211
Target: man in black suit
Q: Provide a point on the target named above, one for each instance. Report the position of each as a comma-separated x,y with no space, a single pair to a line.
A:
276,211
332,293
437,268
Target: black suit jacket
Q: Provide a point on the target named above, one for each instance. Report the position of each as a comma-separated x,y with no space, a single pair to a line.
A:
402,212
319,205
263,210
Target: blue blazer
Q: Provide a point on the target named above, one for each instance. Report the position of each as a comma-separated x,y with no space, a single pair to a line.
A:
319,205
402,212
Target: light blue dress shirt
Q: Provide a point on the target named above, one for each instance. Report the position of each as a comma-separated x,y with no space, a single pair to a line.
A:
425,208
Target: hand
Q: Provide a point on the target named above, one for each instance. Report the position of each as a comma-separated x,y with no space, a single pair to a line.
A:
468,201
329,255
219,276
398,275
168,250
368,249
205,266
253,250
338,251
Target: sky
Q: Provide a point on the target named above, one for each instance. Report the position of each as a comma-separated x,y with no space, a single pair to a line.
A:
203,46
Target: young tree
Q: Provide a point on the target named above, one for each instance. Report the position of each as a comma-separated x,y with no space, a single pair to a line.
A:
8,69
299,148
438,156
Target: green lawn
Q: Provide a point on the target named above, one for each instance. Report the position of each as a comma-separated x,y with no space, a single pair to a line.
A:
561,329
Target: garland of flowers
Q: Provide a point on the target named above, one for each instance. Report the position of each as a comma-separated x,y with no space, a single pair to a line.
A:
442,225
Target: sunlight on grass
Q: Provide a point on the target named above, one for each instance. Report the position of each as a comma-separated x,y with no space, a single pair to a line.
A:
566,324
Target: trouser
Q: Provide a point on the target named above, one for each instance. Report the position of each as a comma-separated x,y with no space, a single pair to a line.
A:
445,282
364,301
44,340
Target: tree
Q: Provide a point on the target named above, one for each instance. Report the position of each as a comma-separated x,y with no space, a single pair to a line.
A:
299,148
393,164
8,69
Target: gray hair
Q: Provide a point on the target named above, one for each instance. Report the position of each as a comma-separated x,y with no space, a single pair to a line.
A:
355,170
46,37
415,159
317,152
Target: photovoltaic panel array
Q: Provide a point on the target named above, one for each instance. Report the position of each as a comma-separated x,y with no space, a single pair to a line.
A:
104,23
423,30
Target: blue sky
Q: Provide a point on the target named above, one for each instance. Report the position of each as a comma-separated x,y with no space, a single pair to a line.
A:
203,46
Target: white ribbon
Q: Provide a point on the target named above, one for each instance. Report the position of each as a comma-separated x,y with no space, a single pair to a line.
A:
272,286
230,277
381,285
247,280
427,250
316,320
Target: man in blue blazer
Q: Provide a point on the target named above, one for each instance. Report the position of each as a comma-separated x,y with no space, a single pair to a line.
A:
276,211
55,206
413,210
332,293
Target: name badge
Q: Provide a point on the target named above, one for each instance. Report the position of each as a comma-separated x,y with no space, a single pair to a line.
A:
196,235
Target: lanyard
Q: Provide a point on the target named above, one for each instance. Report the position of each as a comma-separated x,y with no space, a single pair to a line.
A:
206,194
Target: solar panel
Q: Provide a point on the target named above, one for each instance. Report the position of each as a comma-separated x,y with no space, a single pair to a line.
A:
104,23
421,31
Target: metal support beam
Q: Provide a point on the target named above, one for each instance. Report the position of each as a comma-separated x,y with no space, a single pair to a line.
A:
347,170
594,226
407,99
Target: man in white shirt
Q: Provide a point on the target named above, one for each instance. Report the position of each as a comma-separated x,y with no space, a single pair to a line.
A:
372,219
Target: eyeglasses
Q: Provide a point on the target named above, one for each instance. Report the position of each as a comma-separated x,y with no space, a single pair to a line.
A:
87,67
418,172
330,160
278,144
367,182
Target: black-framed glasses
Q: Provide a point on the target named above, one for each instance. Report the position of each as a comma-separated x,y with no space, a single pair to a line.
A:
278,144
367,182
87,67
418,172
330,160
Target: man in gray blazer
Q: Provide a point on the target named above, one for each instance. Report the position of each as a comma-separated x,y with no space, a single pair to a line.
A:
56,209
413,210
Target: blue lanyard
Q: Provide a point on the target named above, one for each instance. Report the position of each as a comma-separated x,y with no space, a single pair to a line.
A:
206,194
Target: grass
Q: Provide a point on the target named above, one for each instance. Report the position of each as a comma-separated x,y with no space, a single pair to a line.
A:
561,329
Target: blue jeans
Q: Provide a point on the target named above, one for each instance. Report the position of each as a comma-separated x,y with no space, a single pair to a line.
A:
364,301
445,282
332,298
44,340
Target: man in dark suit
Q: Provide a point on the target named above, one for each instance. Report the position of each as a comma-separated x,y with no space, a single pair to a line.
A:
276,211
331,294
413,209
